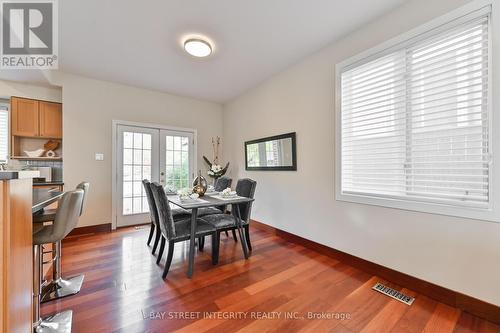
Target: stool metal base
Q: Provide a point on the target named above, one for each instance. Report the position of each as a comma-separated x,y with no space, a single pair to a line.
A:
57,323
62,288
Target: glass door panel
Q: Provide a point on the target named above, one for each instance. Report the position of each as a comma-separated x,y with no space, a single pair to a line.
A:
176,159
137,149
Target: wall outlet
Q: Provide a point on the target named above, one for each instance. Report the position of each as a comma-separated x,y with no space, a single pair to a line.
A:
99,156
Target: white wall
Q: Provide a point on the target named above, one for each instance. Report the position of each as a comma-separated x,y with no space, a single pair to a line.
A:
46,93
456,253
89,106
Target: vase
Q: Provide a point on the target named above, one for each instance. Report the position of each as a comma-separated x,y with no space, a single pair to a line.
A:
200,185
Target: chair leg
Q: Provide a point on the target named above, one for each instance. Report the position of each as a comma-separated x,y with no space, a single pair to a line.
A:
170,254
201,243
227,235
215,247
151,232
234,236
157,238
162,247
247,236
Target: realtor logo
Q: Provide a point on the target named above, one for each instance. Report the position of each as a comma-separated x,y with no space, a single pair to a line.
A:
29,34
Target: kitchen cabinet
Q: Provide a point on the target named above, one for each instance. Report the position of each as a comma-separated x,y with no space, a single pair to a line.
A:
25,118
33,118
50,120
16,250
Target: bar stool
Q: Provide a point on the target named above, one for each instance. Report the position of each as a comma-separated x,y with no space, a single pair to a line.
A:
60,287
65,220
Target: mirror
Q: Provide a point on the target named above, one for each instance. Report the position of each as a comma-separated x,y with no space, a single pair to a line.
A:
271,153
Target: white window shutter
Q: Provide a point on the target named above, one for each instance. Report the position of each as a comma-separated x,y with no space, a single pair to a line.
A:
4,134
415,122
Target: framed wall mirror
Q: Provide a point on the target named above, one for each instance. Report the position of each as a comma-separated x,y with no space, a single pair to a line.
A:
272,153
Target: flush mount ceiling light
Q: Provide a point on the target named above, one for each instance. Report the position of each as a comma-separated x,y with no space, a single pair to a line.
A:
197,47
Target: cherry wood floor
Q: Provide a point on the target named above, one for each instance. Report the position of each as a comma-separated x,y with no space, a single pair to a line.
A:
123,291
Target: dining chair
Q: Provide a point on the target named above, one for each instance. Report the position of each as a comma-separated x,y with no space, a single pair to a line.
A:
179,231
223,222
220,184
177,213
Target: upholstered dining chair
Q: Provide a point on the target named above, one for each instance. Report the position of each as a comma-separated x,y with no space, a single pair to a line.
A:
177,213
178,231
220,184
223,222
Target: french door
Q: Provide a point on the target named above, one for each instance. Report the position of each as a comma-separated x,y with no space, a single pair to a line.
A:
159,155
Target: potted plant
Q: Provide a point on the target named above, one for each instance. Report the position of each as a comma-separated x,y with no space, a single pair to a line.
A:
215,170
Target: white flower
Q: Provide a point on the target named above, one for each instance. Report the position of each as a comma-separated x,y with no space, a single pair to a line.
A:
216,168
184,192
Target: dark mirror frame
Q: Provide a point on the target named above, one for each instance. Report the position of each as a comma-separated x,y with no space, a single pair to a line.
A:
293,167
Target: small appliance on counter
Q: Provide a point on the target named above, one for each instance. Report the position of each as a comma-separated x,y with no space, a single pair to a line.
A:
45,172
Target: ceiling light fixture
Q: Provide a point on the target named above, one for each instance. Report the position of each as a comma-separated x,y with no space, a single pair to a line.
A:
197,47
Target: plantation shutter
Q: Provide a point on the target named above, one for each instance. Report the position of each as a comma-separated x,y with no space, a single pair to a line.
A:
4,133
415,122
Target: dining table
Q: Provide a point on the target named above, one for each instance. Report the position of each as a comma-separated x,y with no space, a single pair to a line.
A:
211,201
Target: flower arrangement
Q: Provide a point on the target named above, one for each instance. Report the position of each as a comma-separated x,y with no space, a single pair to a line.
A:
187,193
228,192
215,170
184,192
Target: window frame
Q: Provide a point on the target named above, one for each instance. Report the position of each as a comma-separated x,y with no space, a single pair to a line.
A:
440,24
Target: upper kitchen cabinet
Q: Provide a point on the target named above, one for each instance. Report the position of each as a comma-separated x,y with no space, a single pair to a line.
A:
50,120
32,118
25,118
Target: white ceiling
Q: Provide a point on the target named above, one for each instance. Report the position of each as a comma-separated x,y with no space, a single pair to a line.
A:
139,42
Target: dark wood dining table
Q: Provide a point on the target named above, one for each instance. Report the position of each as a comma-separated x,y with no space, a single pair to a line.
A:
211,201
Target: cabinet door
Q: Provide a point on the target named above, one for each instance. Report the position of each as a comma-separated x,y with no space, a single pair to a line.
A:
50,120
24,117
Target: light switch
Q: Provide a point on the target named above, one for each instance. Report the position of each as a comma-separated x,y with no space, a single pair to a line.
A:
99,156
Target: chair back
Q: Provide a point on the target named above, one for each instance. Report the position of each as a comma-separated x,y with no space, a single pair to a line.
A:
85,187
166,221
222,183
153,212
246,188
67,214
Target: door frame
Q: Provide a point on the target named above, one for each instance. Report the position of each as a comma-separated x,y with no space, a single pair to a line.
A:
114,174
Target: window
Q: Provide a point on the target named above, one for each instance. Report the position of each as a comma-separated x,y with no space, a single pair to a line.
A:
414,120
4,132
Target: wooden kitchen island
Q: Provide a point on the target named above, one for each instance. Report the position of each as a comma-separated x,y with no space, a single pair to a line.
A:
16,251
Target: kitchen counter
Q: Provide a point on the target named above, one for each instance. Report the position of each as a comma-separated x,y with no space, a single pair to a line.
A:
7,175
43,197
12,174
51,183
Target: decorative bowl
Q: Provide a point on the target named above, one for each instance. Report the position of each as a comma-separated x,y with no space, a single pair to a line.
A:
34,153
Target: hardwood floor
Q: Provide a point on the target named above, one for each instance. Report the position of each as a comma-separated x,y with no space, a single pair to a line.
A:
123,291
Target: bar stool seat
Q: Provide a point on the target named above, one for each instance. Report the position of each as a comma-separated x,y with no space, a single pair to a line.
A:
47,215
65,220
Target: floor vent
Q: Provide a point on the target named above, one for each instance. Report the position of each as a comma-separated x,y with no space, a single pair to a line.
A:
408,300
